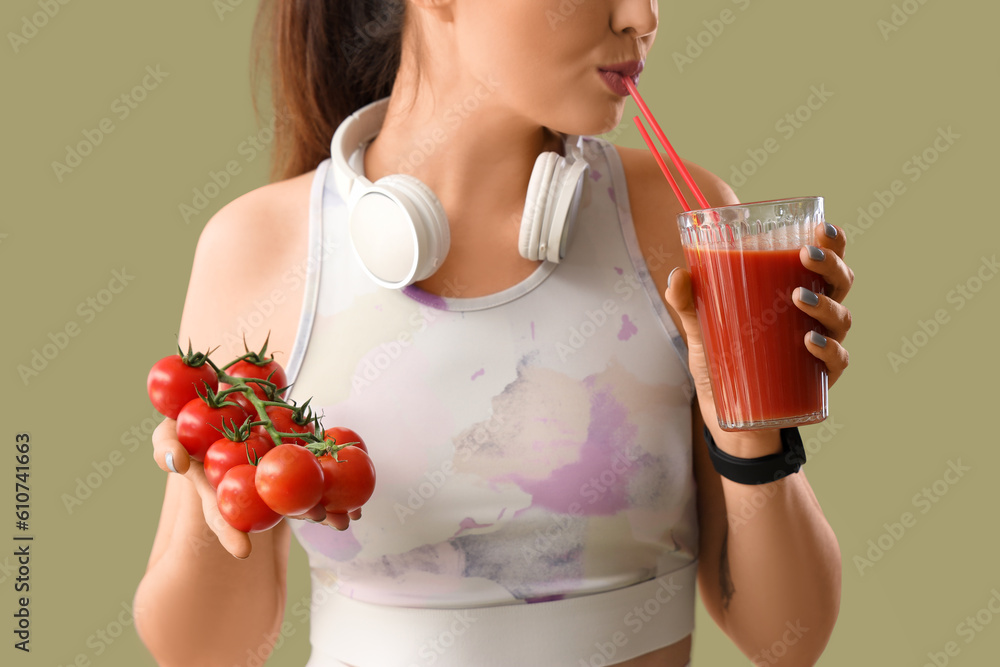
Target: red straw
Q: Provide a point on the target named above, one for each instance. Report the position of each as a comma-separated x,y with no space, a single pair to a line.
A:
666,144
663,165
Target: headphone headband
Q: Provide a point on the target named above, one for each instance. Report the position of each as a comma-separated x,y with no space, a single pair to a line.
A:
398,228
357,130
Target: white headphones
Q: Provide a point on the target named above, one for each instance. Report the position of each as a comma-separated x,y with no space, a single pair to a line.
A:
398,227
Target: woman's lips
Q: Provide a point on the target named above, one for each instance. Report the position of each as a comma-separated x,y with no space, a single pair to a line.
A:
612,75
615,81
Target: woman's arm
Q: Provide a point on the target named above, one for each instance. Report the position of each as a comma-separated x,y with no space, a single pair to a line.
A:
767,578
198,604
769,564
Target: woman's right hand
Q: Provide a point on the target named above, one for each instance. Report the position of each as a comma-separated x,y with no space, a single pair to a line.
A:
166,448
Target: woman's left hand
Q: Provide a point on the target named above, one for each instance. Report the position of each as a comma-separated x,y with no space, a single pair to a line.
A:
826,258
828,311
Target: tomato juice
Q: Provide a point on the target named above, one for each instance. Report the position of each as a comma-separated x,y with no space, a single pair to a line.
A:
762,374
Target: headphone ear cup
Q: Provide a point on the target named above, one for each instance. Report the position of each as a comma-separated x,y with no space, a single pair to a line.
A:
551,205
399,231
536,219
570,181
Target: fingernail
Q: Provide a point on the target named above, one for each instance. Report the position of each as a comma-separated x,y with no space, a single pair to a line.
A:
817,339
830,230
808,297
170,461
815,254
670,277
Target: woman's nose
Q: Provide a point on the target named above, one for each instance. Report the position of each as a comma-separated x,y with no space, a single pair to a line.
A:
637,16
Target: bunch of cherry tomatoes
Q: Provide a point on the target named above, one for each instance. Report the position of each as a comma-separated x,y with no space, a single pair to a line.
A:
266,457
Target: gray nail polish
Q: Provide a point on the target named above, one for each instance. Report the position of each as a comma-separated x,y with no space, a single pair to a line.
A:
817,339
169,456
671,275
808,297
815,254
830,230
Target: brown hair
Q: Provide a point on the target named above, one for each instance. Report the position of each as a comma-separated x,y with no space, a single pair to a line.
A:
326,59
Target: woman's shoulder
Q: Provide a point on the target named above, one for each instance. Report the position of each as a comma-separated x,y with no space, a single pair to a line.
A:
248,268
654,210
264,217
644,177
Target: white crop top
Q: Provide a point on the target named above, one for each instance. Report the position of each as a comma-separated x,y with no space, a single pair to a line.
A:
532,449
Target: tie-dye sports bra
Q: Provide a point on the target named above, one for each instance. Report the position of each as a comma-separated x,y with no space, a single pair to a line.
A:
535,499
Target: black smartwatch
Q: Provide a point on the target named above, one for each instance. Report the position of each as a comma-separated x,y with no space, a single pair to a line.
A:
763,469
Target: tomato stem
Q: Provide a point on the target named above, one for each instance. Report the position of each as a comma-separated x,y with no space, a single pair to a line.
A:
301,415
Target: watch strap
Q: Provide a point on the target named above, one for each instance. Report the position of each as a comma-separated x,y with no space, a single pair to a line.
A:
763,469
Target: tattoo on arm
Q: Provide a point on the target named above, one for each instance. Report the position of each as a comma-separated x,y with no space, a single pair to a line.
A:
725,578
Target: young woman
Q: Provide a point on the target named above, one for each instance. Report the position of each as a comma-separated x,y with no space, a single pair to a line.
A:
545,495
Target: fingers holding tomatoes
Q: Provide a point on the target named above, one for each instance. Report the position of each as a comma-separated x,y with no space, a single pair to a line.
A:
168,452
252,456
167,448
232,538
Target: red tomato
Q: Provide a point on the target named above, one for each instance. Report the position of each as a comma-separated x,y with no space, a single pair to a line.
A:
290,479
349,482
247,369
281,417
225,454
343,436
239,503
171,384
195,422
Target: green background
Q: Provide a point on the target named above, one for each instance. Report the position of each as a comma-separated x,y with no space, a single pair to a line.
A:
898,427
